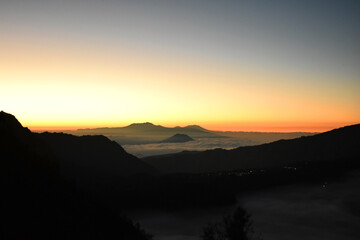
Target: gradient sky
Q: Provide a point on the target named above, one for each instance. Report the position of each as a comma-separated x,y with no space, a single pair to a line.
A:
226,65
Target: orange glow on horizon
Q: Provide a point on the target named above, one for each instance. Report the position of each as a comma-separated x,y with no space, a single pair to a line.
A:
243,127
289,127
66,86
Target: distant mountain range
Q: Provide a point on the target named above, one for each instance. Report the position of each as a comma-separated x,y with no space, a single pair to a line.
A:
338,144
145,133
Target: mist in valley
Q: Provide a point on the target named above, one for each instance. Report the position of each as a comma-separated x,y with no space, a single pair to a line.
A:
199,144
322,210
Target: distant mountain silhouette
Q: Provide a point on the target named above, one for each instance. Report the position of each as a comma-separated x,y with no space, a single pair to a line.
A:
144,133
197,127
147,126
35,201
342,143
178,138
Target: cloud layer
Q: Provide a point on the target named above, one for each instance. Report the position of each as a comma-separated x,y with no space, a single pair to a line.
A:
200,144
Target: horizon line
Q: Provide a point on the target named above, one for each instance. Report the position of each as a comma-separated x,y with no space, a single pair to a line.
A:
224,128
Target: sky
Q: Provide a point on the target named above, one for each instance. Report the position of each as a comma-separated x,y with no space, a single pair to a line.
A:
225,65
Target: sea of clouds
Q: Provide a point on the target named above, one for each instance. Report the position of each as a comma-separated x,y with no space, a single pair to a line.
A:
199,144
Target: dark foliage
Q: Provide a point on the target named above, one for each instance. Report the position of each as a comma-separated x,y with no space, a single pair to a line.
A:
234,227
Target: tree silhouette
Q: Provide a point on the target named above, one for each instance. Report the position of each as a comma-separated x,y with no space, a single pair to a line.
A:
237,226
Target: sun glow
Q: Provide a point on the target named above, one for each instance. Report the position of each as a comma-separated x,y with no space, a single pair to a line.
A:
66,85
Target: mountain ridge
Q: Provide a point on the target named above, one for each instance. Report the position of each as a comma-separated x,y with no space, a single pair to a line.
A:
191,126
335,144
94,160
145,133
77,157
37,203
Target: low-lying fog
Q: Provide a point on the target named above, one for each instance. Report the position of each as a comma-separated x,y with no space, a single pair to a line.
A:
328,211
199,144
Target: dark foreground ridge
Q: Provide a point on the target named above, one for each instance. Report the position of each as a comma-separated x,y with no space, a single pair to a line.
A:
333,145
38,204
59,186
93,160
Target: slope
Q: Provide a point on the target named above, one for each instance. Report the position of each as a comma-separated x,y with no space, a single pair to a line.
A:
37,204
343,143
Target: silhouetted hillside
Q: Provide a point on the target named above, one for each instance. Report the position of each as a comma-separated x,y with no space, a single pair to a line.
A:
263,137
22,154
37,204
93,159
11,127
342,143
178,138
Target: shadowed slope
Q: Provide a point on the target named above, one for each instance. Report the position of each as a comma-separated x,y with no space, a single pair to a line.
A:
95,155
22,154
37,204
342,143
